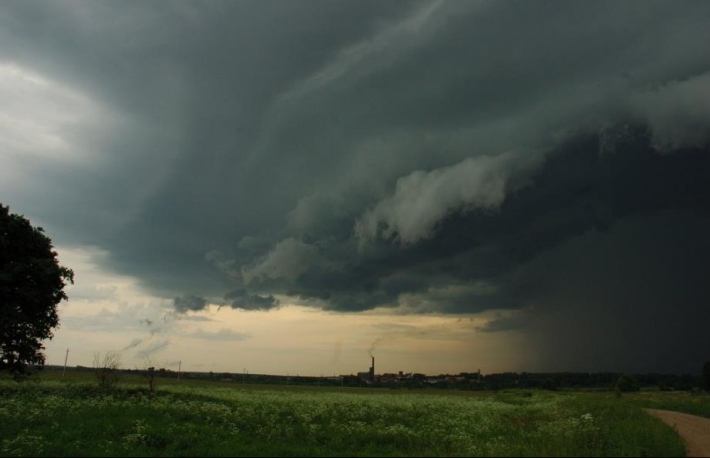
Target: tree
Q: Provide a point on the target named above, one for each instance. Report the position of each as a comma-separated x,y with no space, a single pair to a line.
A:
150,372
31,285
107,370
627,383
706,376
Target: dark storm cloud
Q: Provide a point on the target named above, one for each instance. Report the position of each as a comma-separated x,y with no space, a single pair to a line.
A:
421,156
189,89
470,264
507,323
631,298
189,302
240,299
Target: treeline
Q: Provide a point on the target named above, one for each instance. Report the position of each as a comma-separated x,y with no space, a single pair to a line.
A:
547,381
581,380
462,381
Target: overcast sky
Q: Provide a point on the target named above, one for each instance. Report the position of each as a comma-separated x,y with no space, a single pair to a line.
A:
282,186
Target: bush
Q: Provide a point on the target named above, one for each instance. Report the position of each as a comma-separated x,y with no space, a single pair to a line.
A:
627,383
107,370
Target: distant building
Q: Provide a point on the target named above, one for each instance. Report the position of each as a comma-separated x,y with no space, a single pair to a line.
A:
369,376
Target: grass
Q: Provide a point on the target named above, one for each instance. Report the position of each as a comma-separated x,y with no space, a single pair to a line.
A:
76,418
692,402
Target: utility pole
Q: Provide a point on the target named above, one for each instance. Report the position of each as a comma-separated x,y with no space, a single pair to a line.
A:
66,357
179,365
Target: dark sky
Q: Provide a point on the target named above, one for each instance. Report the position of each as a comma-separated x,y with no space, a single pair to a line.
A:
549,160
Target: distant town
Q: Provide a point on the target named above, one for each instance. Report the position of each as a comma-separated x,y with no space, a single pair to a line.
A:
461,381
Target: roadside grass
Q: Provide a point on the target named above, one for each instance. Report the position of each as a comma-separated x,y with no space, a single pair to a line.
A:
626,430
76,418
692,402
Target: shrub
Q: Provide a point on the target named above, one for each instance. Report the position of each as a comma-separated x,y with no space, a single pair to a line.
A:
627,383
107,370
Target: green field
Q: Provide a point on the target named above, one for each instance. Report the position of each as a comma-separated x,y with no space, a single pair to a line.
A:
76,418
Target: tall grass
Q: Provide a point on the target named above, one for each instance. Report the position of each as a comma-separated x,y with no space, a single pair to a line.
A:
51,418
692,402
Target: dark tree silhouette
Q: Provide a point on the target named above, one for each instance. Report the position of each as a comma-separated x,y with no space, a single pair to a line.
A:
108,369
627,382
706,376
31,285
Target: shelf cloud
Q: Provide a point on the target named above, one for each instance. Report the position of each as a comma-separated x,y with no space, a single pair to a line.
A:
545,160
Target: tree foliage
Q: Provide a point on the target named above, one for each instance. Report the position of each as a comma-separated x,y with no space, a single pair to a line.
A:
706,376
627,383
31,285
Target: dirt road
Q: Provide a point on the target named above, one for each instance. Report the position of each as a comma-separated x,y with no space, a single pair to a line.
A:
694,430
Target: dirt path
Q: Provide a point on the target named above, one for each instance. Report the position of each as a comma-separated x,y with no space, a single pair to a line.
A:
694,430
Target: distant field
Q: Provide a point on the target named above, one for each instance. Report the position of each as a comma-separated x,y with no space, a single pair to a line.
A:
75,418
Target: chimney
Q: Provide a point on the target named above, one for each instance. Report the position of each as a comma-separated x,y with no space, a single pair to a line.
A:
372,370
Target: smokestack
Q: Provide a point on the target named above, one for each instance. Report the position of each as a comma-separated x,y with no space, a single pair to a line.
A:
372,370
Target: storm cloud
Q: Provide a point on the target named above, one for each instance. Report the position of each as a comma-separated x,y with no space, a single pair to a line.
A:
546,160
240,299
